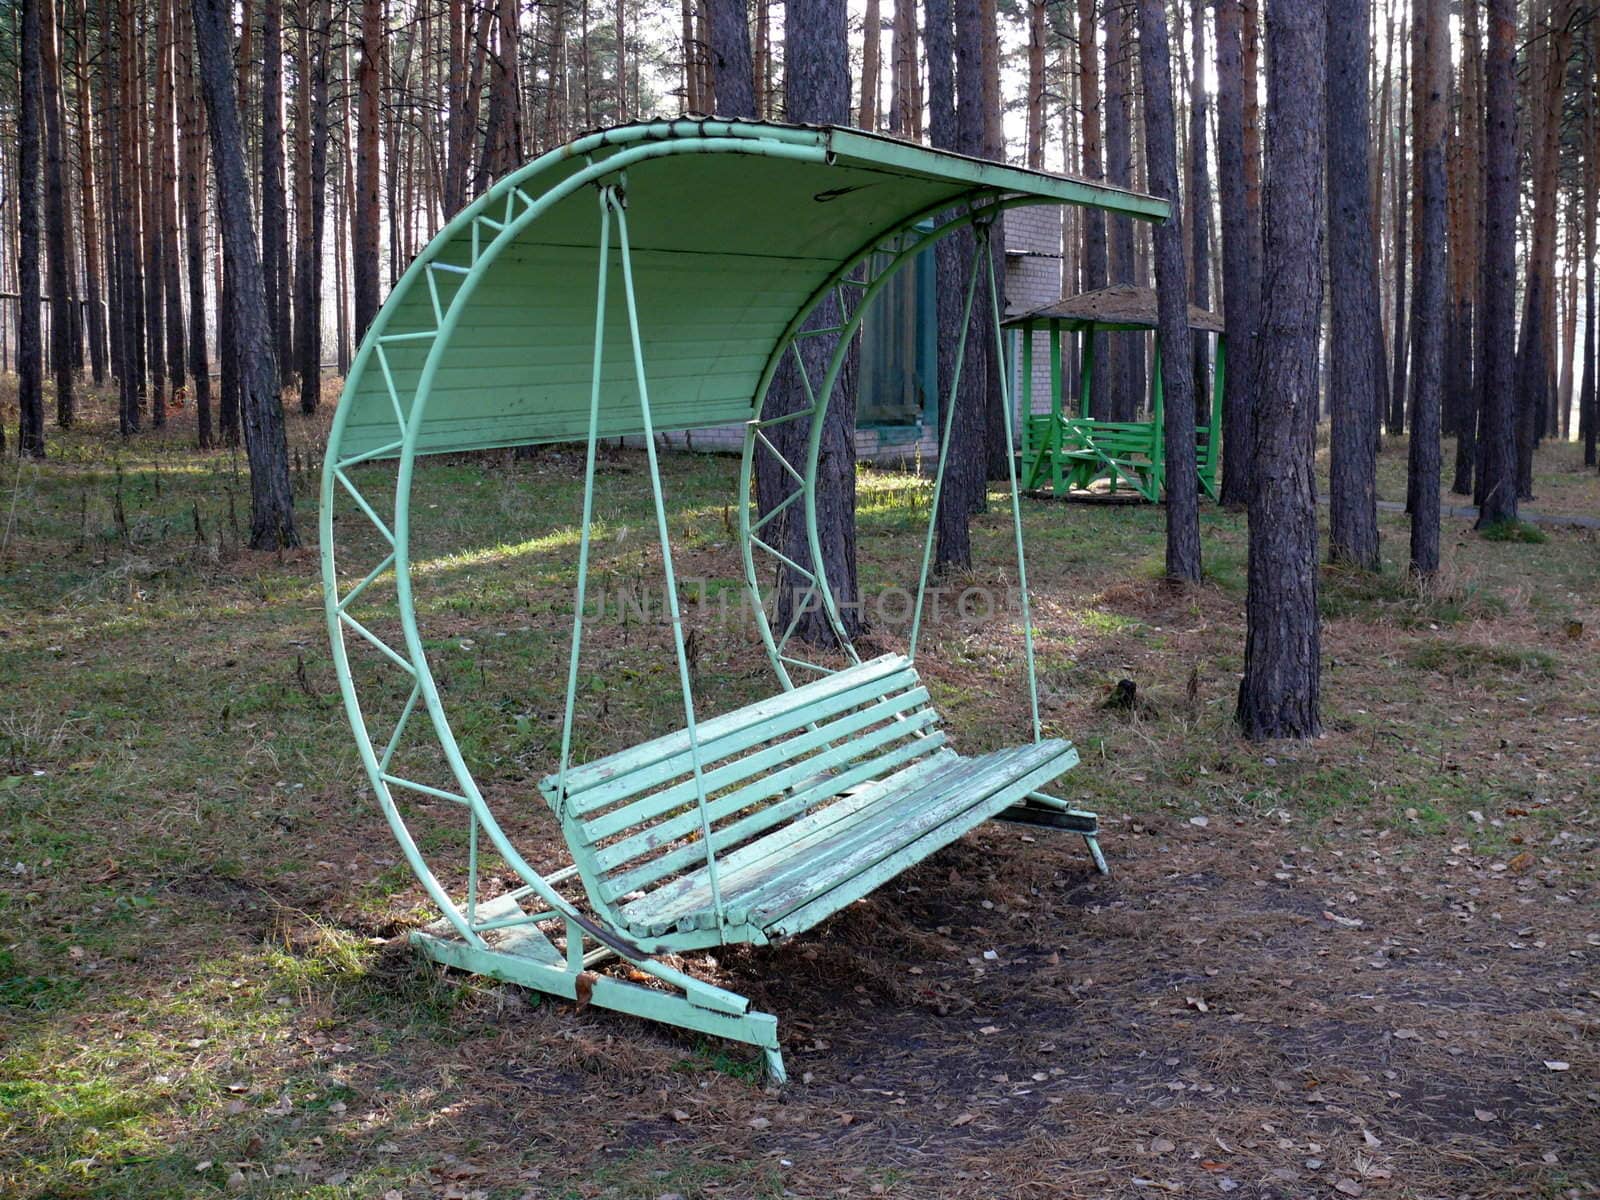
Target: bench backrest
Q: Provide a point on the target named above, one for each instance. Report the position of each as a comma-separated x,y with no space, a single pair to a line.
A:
631,819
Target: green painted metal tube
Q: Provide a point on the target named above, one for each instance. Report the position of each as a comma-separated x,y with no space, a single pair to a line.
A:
601,274
1016,502
613,199
944,453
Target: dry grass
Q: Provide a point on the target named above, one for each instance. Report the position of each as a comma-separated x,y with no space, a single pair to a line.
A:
1344,963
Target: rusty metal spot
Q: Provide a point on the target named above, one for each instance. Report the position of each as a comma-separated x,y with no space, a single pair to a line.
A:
585,988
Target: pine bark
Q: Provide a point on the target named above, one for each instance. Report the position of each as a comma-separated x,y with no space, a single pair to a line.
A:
192,153
314,172
1400,209
364,250
1279,695
1036,38
57,223
1588,416
1464,259
732,76
1172,299
871,64
1197,204
1094,222
502,150
1498,463
1240,277
1535,345
816,88
1430,313
164,171
274,206
30,344
93,278
152,269
271,496
1353,382
1125,351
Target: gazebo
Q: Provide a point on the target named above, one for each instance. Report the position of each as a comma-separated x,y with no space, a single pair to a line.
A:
1062,452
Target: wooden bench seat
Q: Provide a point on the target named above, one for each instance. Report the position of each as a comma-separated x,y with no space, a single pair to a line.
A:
813,798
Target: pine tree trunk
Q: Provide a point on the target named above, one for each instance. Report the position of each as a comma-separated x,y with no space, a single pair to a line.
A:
731,72
1498,465
274,208
365,248
816,88
165,173
1094,221
1588,416
153,273
1464,259
308,271
1535,332
1198,205
30,343
1125,351
1036,38
192,153
57,222
1240,284
1400,209
1430,315
1353,380
953,260
998,450
1172,297
871,60
502,149
1279,694
93,279
271,496
125,204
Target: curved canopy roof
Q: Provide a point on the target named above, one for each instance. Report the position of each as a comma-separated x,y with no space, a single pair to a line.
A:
734,226
1120,306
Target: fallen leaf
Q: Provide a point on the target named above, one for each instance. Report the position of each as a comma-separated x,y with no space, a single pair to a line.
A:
965,1118
1485,1115
1521,862
1349,1187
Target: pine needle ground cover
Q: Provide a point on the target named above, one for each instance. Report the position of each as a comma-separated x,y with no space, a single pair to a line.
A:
1361,966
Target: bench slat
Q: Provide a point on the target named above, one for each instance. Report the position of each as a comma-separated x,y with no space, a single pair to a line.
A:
653,805
779,767
924,758
853,852
607,780
800,851
824,904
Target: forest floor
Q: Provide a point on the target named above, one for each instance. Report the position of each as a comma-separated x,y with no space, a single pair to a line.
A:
1361,965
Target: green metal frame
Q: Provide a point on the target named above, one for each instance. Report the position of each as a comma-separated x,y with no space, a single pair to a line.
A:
539,934
1063,453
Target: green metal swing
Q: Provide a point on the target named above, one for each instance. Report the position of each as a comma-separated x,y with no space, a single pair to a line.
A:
1065,453
748,826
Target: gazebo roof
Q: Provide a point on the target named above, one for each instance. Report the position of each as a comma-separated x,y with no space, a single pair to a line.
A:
734,227
1120,306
